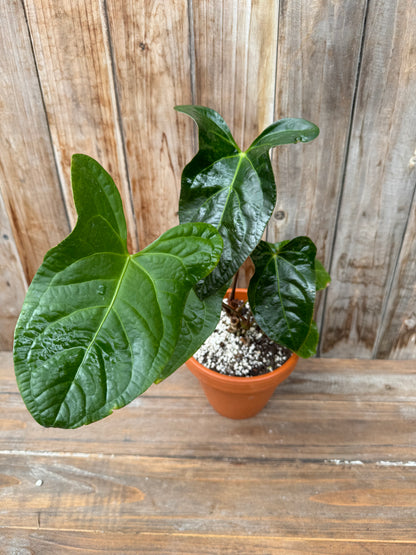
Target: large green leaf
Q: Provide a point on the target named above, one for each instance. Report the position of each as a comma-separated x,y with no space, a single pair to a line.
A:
282,292
233,190
98,325
199,320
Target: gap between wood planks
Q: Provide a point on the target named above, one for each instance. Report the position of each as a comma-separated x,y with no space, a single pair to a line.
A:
336,462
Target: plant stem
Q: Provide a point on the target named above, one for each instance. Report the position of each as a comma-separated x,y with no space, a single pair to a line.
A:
233,287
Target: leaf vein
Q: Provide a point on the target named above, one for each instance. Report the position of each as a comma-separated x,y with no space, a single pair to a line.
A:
88,349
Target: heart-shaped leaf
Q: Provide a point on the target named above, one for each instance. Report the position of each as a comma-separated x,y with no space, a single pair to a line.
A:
98,325
233,190
282,291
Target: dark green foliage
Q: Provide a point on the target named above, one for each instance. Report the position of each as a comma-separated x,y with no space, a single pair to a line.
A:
233,190
100,325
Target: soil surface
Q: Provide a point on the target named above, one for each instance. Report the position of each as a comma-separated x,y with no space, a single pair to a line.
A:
234,351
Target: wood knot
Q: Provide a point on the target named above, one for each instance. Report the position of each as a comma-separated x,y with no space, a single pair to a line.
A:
279,215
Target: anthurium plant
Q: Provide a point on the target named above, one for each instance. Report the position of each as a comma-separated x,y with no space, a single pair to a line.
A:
99,325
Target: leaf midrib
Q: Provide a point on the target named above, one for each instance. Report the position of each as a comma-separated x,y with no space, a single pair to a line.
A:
226,139
230,187
132,257
88,349
275,258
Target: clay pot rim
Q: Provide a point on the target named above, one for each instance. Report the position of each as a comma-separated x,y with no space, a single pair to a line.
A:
225,379
239,383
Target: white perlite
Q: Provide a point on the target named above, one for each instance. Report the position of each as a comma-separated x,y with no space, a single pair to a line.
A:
222,349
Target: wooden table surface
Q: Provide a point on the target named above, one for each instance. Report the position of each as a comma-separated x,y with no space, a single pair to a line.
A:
328,467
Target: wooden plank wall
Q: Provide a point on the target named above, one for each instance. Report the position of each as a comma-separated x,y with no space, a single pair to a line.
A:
102,77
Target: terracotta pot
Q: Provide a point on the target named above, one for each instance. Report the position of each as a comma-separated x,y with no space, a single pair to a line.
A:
240,397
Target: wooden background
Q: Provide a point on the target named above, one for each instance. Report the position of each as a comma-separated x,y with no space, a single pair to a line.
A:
101,77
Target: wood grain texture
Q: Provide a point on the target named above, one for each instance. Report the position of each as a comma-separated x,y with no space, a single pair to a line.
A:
235,46
373,218
28,179
152,64
75,71
102,77
326,410
235,62
328,467
316,39
12,282
318,56
397,336
50,542
170,495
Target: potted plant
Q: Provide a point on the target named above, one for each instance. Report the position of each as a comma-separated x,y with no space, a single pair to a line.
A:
100,325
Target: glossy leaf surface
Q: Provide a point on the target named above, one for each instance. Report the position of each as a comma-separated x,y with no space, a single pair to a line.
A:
199,320
99,325
282,292
234,191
